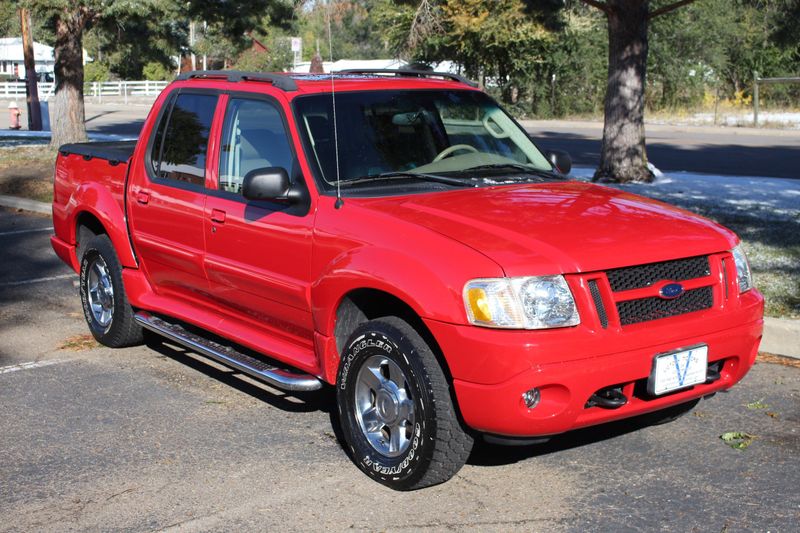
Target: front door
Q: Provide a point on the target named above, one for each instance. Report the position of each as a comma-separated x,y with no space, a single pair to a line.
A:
258,254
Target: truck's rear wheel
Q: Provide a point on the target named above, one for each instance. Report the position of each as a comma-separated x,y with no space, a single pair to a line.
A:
395,408
105,306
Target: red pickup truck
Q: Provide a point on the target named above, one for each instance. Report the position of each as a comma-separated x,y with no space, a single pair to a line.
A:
398,235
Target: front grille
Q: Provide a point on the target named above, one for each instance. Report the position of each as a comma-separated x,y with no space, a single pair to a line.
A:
644,309
637,277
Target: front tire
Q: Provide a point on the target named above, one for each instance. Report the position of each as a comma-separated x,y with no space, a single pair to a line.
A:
105,305
395,408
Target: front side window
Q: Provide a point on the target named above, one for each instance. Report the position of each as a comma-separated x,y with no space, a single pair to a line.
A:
181,143
253,137
462,135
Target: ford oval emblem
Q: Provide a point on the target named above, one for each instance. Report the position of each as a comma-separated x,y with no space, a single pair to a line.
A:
671,290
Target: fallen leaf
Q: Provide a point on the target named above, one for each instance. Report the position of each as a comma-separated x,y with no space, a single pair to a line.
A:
758,404
737,440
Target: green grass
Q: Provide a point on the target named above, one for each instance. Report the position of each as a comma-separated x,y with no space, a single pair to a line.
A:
772,244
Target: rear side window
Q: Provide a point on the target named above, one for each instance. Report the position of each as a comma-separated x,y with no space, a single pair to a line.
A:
181,143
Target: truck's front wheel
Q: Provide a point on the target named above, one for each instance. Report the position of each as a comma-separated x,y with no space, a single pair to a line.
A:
395,408
105,306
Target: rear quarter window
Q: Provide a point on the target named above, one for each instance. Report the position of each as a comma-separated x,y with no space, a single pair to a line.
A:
181,142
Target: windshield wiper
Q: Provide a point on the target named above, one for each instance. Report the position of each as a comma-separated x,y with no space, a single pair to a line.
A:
517,166
398,175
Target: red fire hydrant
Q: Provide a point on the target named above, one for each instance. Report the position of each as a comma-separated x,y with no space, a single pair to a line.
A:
13,116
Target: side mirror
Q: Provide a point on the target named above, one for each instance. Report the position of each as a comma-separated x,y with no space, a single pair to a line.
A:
269,183
561,160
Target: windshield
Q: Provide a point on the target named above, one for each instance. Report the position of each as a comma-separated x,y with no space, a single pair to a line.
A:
414,133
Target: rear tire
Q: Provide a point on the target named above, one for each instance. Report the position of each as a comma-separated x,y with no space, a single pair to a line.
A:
395,408
105,305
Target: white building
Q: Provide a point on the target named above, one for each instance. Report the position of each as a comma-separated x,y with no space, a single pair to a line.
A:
344,64
12,61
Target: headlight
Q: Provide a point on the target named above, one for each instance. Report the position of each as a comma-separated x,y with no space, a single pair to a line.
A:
521,303
743,274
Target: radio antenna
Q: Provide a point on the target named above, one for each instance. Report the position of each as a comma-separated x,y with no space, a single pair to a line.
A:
339,202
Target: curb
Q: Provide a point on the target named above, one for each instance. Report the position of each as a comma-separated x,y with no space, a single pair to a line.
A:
781,337
26,205
45,135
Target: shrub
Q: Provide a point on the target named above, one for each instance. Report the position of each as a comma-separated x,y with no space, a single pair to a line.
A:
155,71
96,72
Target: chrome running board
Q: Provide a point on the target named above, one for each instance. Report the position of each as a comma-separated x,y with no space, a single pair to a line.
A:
228,356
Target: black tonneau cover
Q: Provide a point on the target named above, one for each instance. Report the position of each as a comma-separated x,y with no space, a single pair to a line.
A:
114,152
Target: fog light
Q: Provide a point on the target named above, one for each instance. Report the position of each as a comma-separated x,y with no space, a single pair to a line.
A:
531,398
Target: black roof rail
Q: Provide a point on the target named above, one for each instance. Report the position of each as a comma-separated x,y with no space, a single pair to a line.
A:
409,72
281,81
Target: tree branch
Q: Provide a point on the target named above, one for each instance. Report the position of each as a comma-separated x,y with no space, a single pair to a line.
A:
602,6
668,8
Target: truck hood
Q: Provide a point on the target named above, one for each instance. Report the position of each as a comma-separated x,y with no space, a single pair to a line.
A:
564,227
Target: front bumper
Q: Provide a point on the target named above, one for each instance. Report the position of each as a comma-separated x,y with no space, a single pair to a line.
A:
491,369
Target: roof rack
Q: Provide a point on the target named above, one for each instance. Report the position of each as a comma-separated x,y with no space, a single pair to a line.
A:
280,81
410,73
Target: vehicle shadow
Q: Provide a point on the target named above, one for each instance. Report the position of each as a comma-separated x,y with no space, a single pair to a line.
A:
488,454
292,402
324,400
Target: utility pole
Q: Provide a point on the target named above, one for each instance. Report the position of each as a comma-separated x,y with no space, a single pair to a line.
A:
205,57
755,99
32,89
191,45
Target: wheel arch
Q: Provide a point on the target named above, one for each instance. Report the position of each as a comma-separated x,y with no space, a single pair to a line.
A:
87,225
99,213
363,304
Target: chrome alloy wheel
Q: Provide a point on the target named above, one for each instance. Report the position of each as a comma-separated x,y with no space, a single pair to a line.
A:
384,406
101,293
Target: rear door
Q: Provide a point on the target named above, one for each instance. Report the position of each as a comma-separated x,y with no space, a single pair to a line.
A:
168,194
258,254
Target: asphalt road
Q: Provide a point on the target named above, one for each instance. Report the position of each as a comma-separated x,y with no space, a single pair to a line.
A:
727,151
151,438
708,150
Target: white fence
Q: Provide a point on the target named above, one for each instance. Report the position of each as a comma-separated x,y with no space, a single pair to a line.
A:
96,90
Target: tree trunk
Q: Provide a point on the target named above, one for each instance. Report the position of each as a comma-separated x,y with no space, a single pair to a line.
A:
623,157
68,123
34,110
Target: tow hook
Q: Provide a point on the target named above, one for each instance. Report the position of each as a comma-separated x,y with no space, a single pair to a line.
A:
713,372
608,398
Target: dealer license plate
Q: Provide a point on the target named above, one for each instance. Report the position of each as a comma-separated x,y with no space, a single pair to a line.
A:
678,370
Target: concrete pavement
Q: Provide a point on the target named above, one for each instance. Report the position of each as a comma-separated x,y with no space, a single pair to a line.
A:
781,337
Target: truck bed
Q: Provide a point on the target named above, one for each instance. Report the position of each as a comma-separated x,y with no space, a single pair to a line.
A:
90,174
114,151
